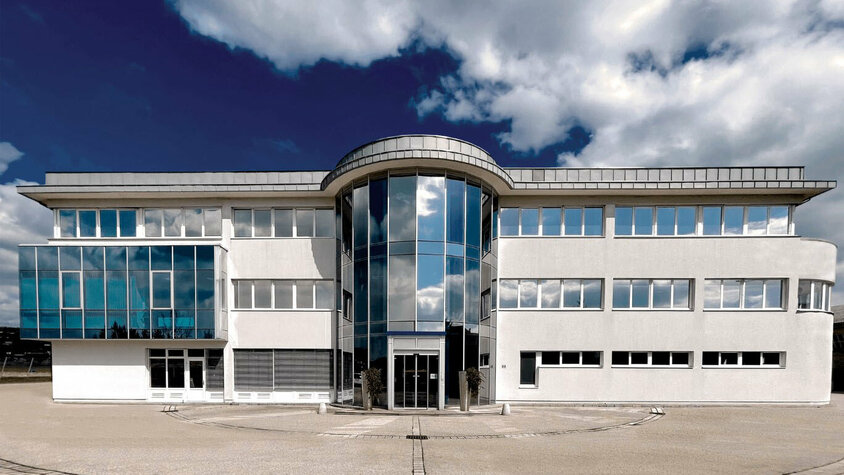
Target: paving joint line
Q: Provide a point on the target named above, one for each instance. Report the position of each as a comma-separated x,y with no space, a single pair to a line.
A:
15,467
649,418
418,464
811,469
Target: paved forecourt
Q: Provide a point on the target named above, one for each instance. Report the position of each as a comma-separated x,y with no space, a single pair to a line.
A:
36,433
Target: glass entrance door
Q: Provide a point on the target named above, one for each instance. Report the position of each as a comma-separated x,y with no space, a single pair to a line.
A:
416,382
195,375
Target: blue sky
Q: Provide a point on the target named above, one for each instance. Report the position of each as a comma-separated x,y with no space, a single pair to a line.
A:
272,84
127,86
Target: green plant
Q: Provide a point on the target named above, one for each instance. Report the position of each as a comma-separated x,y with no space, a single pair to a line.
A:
474,378
374,383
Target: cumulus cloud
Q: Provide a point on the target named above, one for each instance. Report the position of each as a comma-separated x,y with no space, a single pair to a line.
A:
294,34
8,154
655,83
22,221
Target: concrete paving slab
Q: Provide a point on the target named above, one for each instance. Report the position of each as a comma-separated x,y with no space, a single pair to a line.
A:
101,438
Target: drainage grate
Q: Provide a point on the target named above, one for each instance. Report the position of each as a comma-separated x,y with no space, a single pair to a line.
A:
417,437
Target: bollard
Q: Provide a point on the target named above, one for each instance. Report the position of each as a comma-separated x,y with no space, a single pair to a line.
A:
505,409
322,409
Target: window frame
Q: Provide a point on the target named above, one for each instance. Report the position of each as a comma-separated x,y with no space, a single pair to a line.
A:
781,364
562,306
541,362
826,294
742,293
57,224
294,287
183,222
541,210
294,229
699,220
650,364
650,306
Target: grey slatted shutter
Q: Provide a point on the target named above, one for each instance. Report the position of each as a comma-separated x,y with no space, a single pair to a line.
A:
214,375
253,370
302,369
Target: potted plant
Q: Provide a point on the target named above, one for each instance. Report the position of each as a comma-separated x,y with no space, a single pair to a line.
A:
470,384
373,386
474,378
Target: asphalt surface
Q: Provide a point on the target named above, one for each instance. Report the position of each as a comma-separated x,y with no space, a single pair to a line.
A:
39,436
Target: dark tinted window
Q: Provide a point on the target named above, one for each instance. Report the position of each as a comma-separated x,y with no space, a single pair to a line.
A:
680,358
550,357
660,358
752,358
620,358
527,371
592,358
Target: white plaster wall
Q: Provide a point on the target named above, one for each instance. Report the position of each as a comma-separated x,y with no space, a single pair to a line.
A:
108,370
281,329
282,258
99,370
804,336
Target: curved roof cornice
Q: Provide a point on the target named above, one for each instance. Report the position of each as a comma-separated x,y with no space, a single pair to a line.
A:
435,151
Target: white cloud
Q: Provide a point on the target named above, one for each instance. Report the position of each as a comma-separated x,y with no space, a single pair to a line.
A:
21,221
294,34
8,154
769,91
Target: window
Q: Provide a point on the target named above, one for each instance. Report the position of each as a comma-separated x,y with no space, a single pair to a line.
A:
71,289
283,222
623,221
282,370
509,221
550,293
679,359
242,223
284,294
529,221
651,294
643,221
484,360
347,305
178,222
568,221
593,221
303,222
746,359
527,368
128,222
89,223
813,295
711,220
166,369
571,358
551,221
173,222
746,294
108,223
67,222
162,289
716,220
120,292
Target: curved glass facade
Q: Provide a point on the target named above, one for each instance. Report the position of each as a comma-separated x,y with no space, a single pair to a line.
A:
416,258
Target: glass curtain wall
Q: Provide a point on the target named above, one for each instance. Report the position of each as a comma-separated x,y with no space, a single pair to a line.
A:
416,257
117,292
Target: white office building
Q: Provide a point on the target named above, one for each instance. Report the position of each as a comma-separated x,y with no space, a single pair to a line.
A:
421,256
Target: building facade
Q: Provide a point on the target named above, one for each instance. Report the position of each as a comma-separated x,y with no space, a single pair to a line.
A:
421,256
